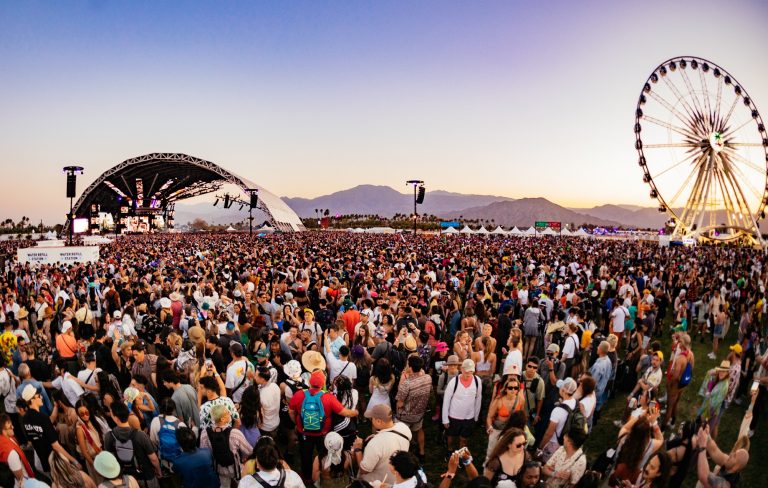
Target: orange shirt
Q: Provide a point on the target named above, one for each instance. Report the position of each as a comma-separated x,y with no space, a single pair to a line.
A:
66,345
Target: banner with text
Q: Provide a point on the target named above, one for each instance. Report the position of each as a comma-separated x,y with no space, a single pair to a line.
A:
543,224
62,255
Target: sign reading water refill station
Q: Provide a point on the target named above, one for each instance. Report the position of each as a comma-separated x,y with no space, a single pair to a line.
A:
61,255
543,224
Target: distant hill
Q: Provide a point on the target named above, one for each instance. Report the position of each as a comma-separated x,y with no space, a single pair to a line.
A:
386,202
525,211
627,215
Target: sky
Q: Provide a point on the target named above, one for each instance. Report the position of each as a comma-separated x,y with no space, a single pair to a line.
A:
513,98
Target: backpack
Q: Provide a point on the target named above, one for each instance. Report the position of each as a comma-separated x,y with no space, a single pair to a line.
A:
575,420
264,484
222,453
312,412
324,317
687,375
169,445
125,455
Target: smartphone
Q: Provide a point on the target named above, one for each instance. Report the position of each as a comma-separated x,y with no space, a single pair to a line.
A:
652,406
208,363
755,386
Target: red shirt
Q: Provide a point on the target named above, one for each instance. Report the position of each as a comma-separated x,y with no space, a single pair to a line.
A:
351,317
330,403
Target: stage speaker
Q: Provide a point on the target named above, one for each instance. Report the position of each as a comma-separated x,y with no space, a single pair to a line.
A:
420,196
254,200
71,190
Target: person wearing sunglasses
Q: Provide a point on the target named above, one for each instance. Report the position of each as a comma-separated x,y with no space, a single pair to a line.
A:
507,458
508,400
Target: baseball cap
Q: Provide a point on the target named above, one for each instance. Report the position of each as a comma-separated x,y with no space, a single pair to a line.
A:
380,411
116,314
66,326
441,346
140,345
553,348
28,392
568,384
468,365
736,348
317,379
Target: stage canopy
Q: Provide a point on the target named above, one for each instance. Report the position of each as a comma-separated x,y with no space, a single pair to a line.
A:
153,183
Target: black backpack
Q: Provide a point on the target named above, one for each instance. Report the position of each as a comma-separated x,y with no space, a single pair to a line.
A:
575,420
264,484
222,454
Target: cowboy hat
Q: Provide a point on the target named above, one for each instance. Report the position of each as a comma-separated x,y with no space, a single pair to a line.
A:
312,360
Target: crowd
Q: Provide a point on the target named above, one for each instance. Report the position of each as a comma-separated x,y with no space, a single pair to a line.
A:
202,360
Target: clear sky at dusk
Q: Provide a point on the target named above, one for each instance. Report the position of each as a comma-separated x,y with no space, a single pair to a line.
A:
310,97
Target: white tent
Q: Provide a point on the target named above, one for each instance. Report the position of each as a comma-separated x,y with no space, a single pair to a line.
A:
531,231
549,232
450,230
381,230
565,232
515,232
358,230
50,235
466,230
498,230
581,233
266,228
231,229
482,230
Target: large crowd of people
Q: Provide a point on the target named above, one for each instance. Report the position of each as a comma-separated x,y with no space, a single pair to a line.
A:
323,358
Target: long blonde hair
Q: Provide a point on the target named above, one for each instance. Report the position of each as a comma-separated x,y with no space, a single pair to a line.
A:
63,473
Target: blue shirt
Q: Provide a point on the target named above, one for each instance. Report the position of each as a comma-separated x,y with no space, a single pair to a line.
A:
196,469
601,372
47,407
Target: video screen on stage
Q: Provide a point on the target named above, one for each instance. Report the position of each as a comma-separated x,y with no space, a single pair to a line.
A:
136,224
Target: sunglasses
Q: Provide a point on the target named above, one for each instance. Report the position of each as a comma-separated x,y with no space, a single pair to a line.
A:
511,388
530,366
521,444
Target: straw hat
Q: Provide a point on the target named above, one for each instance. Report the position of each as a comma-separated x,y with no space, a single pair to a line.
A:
725,366
410,343
312,360
23,314
165,302
175,297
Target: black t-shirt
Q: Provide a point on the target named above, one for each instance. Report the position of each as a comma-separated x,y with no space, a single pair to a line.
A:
40,432
103,357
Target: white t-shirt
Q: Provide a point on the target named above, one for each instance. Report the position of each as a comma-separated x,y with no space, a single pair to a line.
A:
270,406
618,316
589,402
336,367
235,374
86,377
559,416
513,364
570,348
292,480
8,388
69,386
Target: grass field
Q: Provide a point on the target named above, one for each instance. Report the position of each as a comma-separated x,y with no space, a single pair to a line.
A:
604,434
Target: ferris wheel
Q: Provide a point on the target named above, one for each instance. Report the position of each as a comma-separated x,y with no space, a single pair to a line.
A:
703,149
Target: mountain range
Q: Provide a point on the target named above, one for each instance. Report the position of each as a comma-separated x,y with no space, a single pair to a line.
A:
386,202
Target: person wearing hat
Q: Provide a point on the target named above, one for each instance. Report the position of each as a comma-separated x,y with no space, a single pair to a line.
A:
462,401
389,437
450,370
310,441
550,441
309,324
25,375
39,430
67,346
714,389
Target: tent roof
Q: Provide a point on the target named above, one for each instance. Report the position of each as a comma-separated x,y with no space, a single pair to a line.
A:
498,230
482,230
466,230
